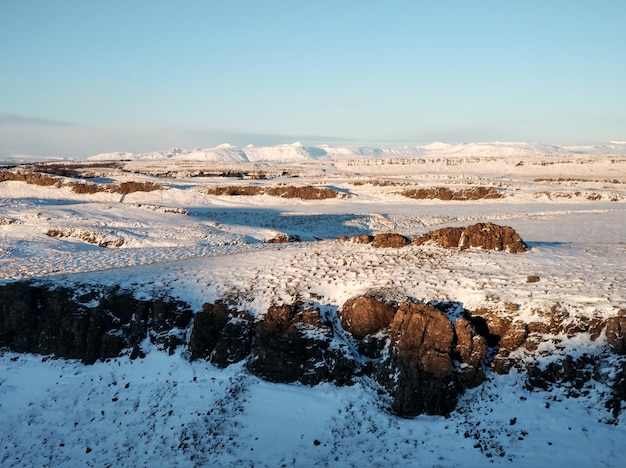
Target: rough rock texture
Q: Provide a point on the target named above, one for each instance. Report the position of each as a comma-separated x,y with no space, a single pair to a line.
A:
292,344
570,373
413,351
97,325
445,237
492,237
220,335
284,239
390,239
421,354
365,315
361,239
616,333
487,236
614,404
503,332
444,193
471,351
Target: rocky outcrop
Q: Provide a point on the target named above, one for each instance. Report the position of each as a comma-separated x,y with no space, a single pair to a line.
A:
220,335
487,236
490,236
359,239
284,239
292,343
415,352
445,237
568,372
390,239
92,326
444,193
616,333
471,352
421,356
365,315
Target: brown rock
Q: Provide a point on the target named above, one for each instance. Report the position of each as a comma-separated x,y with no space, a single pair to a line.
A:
446,237
284,239
364,315
490,236
362,239
390,239
471,350
422,340
285,351
508,334
616,334
487,236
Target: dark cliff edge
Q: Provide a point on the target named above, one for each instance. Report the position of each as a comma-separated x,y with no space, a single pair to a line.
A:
420,356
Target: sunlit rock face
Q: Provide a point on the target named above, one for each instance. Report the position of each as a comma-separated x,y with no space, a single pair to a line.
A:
486,236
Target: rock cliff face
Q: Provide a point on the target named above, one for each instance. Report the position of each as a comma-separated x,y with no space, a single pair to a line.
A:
419,356
90,326
487,236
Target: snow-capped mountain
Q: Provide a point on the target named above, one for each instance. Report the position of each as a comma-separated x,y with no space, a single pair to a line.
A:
298,152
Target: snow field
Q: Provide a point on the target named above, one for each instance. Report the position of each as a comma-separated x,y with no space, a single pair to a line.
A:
166,409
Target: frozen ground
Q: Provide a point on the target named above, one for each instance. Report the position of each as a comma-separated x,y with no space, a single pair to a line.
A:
571,209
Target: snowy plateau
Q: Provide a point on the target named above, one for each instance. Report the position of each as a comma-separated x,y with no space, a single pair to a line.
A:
256,232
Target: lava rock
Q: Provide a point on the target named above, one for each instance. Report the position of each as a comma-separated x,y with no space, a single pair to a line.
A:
390,239
487,236
364,315
616,333
471,351
287,349
421,356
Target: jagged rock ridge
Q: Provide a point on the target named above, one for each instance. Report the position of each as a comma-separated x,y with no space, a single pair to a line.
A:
420,355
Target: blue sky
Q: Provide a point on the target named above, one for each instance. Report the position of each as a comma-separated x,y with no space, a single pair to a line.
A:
88,76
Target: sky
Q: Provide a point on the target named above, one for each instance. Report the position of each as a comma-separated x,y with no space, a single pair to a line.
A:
82,77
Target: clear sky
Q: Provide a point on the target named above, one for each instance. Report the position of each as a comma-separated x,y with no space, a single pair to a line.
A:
80,77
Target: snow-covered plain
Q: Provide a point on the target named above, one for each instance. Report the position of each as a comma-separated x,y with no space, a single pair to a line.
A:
568,204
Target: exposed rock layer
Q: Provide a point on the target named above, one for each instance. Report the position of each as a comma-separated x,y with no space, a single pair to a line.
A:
487,236
422,355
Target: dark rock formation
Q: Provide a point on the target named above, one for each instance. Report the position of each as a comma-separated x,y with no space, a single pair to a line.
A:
444,193
99,325
365,315
505,333
614,404
490,236
487,236
413,351
284,239
293,344
616,333
390,239
568,372
421,356
471,351
220,335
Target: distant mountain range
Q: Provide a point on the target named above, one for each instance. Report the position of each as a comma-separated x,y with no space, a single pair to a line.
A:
298,152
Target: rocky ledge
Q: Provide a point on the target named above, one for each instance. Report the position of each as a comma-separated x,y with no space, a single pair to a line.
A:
486,236
420,356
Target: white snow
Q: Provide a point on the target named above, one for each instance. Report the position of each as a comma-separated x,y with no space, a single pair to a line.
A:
173,412
299,152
